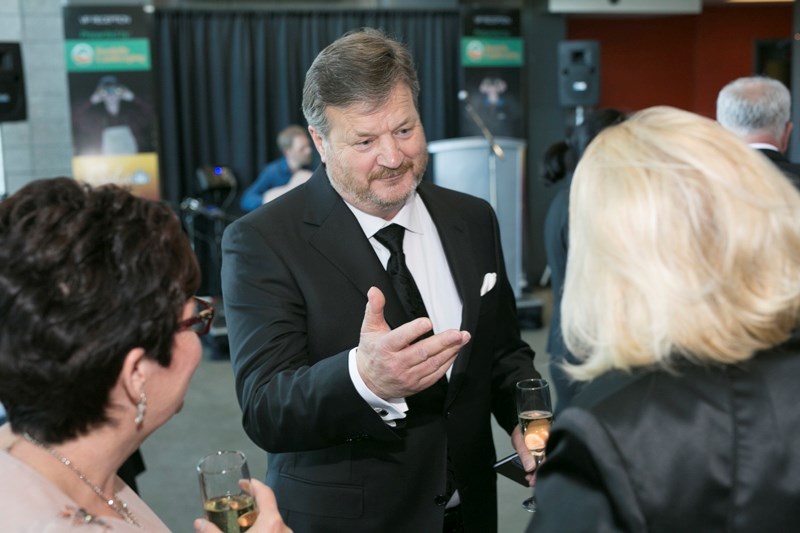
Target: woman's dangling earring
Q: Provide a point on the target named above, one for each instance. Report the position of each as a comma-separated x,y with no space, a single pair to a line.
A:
141,409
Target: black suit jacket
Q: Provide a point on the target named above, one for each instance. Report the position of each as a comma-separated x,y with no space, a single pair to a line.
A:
792,170
295,277
713,448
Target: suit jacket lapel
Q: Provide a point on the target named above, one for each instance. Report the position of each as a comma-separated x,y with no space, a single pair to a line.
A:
341,240
458,246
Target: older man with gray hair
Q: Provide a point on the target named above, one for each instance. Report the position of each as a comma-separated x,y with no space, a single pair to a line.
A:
757,109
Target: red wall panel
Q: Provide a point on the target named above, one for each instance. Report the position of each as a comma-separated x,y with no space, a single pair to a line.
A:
681,61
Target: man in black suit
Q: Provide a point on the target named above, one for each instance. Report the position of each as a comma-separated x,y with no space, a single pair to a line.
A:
370,424
757,109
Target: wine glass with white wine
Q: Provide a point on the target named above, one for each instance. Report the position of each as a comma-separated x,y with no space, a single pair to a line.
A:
225,489
535,415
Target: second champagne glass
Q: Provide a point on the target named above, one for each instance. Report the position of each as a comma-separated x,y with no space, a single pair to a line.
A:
535,416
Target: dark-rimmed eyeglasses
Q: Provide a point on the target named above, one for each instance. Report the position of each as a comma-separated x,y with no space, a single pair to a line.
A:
200,321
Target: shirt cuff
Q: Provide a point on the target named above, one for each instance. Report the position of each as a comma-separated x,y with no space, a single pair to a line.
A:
389,410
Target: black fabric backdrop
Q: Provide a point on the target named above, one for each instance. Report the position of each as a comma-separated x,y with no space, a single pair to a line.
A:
228,82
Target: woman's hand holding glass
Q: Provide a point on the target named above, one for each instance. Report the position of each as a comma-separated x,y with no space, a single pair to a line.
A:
269,519
227,492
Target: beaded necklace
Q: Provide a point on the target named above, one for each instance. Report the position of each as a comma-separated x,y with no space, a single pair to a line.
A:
117,505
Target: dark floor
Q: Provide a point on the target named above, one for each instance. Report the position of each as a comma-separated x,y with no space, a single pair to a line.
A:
210,420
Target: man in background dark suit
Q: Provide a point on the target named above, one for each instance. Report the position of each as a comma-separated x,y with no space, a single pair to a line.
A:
365,419
757,109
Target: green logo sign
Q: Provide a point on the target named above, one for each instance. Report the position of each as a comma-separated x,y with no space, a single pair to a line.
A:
492,52
107,55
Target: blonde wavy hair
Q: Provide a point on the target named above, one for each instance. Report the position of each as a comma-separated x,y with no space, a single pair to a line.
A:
684,243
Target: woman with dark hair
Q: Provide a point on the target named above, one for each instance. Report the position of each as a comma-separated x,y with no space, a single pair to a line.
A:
558,164
98,343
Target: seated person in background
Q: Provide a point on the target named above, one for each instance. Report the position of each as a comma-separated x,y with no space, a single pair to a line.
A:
97,346
682,291
757,109
559,163
295,145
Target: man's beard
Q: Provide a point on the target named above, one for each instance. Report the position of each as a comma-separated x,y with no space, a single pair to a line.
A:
346,185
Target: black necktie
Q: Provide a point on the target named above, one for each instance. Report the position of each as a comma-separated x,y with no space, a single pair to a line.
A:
392,238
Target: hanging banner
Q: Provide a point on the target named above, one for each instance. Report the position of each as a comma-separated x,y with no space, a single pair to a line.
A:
110,78
492,56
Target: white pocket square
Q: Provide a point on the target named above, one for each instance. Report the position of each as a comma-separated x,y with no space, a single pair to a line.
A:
489,281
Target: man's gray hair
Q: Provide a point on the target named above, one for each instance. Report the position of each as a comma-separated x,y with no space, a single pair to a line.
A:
362,67
754,105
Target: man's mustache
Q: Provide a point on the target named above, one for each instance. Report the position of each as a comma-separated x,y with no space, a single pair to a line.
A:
383,173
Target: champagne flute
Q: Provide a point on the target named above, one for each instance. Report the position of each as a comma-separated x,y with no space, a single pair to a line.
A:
225,489
535,415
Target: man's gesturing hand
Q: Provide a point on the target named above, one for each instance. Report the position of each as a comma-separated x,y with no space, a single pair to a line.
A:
390,365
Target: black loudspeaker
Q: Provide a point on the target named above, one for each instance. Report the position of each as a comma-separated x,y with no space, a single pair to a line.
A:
578,73
12,84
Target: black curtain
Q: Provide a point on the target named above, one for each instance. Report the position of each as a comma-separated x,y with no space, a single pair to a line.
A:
228,82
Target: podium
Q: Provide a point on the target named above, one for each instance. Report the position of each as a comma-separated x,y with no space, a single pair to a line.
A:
469,165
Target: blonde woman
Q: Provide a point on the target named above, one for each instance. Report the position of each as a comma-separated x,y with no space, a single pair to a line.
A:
681,295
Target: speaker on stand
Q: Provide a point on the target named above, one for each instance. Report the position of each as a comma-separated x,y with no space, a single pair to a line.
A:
578,87
12,96
578,75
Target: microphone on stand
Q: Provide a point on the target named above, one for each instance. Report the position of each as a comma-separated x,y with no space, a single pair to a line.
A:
476,118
